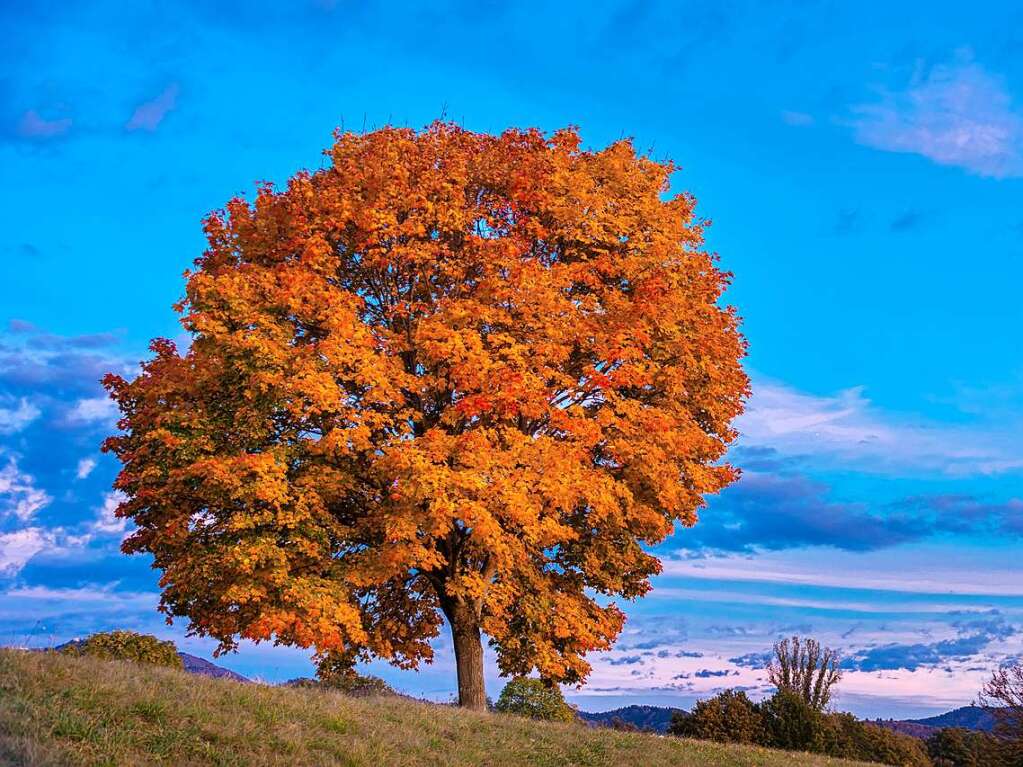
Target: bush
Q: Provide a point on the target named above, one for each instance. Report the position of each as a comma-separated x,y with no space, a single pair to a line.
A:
351,683
879,744
534,698
792,723
788,722
127,645
336,671
730,717
358,685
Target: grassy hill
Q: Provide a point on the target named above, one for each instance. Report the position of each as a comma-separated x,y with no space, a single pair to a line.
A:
57,710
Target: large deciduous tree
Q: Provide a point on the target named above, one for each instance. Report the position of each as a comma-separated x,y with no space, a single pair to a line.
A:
450,373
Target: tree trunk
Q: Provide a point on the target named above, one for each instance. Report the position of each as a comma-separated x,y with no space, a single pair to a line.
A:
465,631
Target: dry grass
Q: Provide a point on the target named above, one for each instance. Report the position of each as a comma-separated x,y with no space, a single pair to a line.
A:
57,710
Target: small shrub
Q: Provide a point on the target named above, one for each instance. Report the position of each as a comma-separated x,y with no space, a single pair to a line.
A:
127,645
534,698
730,717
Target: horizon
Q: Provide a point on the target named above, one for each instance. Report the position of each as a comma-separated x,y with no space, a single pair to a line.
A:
851,183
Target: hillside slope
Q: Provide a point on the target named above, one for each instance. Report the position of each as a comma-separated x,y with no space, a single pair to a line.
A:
57,710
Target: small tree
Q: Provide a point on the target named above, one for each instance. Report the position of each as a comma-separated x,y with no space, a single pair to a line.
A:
730,717
804,667
534,698
127,645
1002,695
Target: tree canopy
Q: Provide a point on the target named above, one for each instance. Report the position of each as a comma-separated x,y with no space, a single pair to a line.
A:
450,373
806,669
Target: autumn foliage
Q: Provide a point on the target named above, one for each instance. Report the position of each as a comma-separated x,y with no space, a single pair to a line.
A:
450,374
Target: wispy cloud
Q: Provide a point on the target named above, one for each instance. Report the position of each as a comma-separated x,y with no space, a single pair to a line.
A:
846,428
930,654
19,496
92,410
149,114
18,547
14,419
955,114
797,119
36,127
907,221
107,522
924,568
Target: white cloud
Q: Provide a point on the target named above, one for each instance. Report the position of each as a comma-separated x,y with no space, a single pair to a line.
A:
17,548
107,522
13,420
19,497
956,114
93,410
848,430
85,467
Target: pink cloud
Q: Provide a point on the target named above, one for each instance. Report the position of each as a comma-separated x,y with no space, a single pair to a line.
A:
34,126
150,114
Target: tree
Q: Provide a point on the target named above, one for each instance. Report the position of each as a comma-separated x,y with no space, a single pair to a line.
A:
448,374
958,747
729,717
1002,695
792,723
528,696
803,667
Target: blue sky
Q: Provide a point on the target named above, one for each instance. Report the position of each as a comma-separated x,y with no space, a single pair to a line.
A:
862,165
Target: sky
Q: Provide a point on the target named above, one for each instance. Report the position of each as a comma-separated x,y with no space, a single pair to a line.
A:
862,164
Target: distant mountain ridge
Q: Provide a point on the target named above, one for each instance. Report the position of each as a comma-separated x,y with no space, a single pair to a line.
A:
197,665
658,718
967,717
655,718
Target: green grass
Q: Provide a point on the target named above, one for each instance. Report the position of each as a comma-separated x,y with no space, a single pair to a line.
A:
57,710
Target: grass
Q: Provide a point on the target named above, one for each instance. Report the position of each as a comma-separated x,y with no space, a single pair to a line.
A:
57,710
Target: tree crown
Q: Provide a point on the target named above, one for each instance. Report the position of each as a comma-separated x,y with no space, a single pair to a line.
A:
448,373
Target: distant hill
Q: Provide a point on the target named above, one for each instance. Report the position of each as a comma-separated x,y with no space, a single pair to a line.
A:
196,665
59,709
656,718
968,717
915,729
